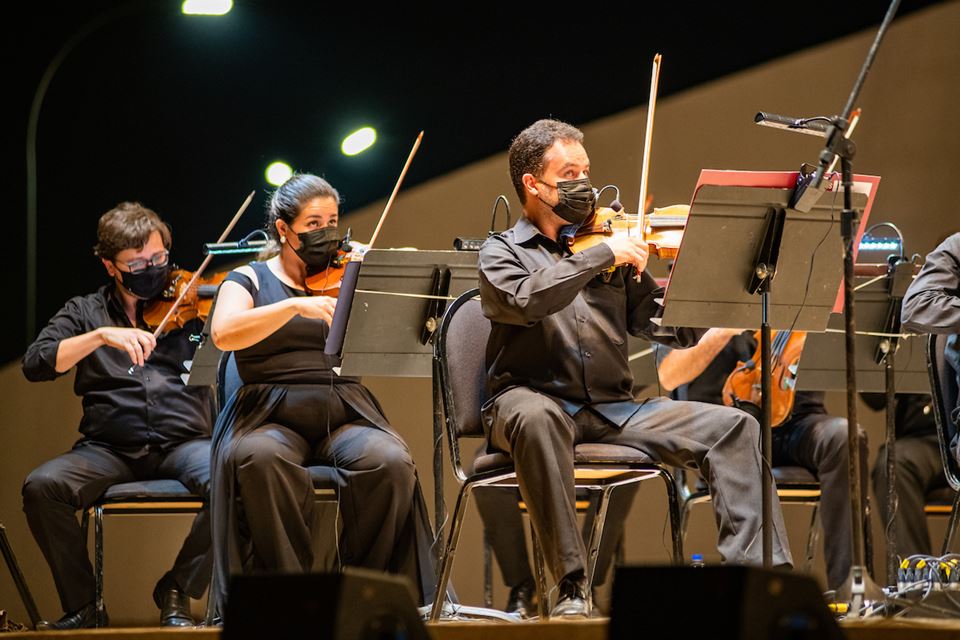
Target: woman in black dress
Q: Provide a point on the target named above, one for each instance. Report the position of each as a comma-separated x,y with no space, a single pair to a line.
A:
293,409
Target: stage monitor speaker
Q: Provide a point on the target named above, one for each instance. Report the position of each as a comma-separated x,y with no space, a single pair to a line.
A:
718,602
354,605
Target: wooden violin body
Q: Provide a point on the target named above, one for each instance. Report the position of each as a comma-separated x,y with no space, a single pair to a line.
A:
662,230
195,303
743,385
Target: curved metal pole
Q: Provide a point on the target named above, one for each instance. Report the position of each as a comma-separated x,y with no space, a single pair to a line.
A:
78,37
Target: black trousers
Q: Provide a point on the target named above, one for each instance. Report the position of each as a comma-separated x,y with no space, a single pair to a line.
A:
919,470
376,480
57,489
721,442
818,442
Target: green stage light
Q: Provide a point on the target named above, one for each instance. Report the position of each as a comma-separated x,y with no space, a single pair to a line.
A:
359,141
278,173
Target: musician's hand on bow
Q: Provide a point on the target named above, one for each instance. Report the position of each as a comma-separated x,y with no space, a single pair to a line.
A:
139,344
321,307
629,251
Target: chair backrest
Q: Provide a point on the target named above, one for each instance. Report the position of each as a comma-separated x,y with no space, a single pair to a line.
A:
460,353
228,378
943,386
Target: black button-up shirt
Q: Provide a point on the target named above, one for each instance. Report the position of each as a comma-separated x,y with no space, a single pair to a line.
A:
130,411
559,328
932,302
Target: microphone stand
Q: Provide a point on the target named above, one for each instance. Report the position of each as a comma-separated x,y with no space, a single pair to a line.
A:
859,589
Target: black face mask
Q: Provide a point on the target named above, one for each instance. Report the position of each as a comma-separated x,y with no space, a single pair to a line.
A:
146,284
318,248
577,200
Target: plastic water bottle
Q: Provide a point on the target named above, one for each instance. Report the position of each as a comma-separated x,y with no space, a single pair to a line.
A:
696,560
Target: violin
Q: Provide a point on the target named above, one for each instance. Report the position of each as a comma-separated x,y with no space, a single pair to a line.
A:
195,299
743,384
662,230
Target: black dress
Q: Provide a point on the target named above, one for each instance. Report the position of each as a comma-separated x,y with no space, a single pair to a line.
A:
293,410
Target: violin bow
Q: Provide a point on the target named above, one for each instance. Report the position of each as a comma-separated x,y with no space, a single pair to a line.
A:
648,142
203,265
396,188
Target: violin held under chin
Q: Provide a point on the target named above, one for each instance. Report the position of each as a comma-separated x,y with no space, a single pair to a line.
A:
662,230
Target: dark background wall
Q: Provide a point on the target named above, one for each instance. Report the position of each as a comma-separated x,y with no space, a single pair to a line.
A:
908,136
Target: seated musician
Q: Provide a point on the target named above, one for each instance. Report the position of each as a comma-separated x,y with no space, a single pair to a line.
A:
932,304
293,409
558,373
918,470
138,424
810,437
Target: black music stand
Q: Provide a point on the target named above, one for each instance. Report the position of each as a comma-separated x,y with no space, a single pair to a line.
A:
731,251
389,306
206,358
878,339
21,583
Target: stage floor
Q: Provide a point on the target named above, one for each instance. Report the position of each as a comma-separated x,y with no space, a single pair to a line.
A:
596,629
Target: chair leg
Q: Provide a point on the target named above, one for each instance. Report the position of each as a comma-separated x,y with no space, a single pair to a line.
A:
446,562
211,613
487,573
596,533
951,525
98,563
540,574
813,536
678,518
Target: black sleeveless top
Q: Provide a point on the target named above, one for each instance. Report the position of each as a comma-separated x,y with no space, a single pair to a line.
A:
293,354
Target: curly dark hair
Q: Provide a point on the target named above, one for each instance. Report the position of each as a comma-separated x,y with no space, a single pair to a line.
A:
128,226
528,149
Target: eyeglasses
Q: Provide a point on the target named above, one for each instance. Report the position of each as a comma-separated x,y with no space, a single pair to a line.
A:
156,260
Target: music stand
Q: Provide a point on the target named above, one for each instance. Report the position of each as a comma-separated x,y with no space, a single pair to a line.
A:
206,358
389,306
823,366
21,583
744,215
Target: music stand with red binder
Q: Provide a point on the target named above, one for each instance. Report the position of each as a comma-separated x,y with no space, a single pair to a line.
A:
743,239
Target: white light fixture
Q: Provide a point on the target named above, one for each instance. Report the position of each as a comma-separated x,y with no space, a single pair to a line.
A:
278,172
206,7
358,141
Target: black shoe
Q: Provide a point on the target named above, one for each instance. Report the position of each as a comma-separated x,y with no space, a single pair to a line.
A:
173,603
83,618
175,609
572,599
521,599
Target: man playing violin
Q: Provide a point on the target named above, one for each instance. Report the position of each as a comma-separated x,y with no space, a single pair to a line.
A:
809,438
140,421
558,373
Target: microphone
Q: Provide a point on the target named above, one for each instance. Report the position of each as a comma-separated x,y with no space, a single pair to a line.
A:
816,126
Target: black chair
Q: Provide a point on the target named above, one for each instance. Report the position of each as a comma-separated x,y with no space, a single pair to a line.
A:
459,364
144,497
943,388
